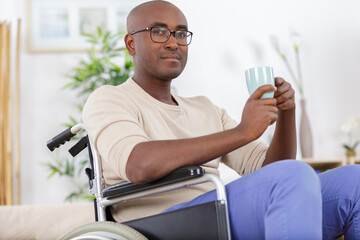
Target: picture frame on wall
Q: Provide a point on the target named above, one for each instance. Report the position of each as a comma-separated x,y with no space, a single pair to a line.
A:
57,25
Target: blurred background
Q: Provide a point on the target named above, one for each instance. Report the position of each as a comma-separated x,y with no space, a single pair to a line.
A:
229,37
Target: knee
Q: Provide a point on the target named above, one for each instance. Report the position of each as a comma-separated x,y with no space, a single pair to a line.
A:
346,176
297,169
296,173
299,180
350,171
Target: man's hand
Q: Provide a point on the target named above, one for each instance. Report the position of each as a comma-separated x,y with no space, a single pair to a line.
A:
283,143
258,113
284,95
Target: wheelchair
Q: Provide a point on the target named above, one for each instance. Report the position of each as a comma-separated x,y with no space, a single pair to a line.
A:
203,221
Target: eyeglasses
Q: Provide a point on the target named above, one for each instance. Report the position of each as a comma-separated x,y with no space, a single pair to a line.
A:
162,35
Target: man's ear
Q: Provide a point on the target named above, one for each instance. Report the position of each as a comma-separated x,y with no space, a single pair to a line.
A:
130,44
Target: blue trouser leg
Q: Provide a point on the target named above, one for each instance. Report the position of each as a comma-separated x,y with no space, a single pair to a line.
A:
341,207
279,201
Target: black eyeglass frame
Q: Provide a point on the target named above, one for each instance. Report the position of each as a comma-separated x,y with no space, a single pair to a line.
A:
171,32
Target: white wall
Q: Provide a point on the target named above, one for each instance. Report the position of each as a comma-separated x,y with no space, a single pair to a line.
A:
229,36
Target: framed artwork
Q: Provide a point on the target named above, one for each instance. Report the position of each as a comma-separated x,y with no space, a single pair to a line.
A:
57,25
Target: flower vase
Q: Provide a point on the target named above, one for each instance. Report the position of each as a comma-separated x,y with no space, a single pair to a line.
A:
306,141
350,156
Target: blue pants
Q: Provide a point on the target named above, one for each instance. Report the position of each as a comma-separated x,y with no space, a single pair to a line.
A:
288,200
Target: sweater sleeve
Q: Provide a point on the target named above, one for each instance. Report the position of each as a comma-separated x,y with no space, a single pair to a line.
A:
247,158
115,128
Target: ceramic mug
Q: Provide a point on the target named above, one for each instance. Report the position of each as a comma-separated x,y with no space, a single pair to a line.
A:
258,76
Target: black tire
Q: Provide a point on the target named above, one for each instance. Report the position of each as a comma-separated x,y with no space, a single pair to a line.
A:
104,230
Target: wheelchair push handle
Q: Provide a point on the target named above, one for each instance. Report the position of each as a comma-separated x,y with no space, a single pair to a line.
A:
63,137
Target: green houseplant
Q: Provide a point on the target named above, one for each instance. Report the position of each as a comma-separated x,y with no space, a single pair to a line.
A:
106,64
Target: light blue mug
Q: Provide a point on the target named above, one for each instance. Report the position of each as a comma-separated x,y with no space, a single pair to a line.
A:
258,76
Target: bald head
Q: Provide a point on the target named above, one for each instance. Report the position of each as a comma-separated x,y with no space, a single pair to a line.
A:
143,12
163,61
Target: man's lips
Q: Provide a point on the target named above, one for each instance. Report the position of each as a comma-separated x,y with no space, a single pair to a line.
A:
171,57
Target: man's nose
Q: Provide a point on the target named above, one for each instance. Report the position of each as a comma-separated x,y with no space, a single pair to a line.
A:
171,42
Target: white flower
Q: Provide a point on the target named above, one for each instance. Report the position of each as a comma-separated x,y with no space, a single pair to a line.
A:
350,124
354,122
346,127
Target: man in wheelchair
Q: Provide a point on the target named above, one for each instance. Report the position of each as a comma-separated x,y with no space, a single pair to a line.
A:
143,131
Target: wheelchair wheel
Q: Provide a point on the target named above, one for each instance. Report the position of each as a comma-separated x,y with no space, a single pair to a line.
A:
104,231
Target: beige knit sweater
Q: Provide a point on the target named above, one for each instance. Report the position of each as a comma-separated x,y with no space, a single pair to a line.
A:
119,117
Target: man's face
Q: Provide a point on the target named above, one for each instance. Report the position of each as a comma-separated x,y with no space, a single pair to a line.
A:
164,61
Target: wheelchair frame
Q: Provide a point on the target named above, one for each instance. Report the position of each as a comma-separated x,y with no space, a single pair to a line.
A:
105,197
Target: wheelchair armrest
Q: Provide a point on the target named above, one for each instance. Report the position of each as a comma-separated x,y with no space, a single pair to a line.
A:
180,174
